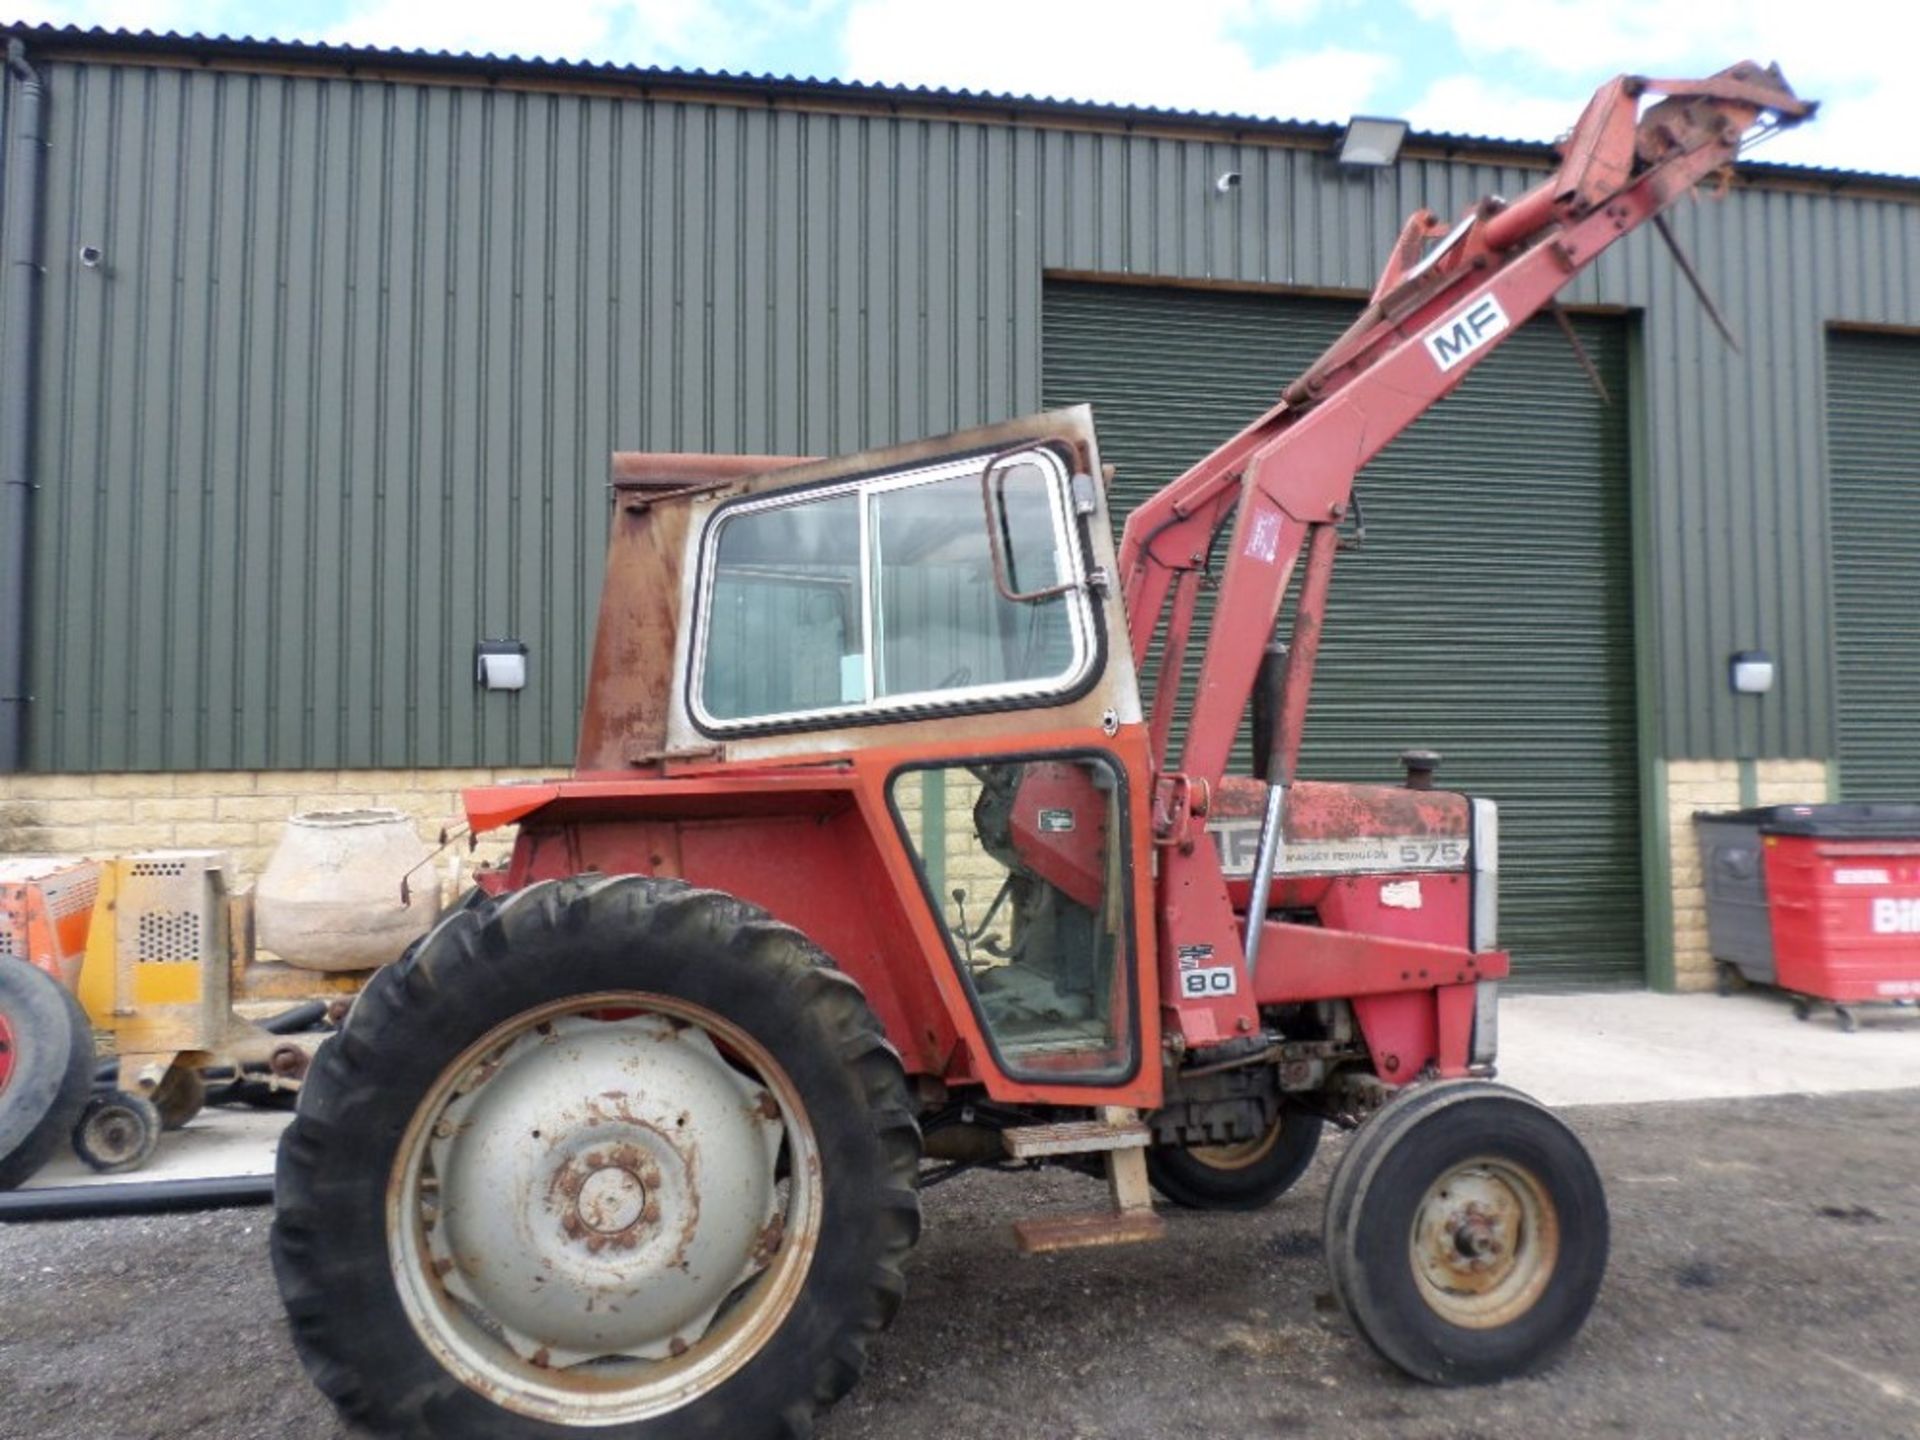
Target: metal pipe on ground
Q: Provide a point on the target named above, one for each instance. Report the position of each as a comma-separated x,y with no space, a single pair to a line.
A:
21,298
142,1197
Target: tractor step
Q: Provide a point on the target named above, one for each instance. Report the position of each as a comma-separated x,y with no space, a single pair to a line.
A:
1119,1133
1045,1234
1074,1137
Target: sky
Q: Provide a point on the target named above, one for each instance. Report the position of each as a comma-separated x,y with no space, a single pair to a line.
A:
1513,69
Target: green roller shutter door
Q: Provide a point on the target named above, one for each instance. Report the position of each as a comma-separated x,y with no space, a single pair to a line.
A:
1488,615
1874,447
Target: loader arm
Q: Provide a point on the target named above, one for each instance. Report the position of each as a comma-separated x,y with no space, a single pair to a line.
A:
1445,299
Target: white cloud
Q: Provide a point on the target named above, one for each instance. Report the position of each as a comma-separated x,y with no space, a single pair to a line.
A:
555,29
1852,55
1470,105
1654,36
1196,55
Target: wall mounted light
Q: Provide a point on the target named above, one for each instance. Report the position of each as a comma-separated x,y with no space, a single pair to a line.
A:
1750,672
1372,141
500,664
1228,181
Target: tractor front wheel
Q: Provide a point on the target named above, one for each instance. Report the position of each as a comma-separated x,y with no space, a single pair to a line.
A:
607,1154
1247,1175
1467,1233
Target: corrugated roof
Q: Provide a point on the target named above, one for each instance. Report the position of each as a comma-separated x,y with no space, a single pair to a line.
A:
349,58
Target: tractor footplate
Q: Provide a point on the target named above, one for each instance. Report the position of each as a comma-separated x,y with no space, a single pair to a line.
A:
1045,1234
1074,1137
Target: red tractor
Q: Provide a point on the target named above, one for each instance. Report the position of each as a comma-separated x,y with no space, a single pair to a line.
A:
875,866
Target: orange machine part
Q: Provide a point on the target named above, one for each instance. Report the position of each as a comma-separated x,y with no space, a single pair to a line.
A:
46,908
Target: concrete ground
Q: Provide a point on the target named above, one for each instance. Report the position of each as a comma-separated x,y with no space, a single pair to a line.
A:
1765,1284
1623,1047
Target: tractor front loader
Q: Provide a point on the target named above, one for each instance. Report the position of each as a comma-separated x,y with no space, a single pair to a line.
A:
874,867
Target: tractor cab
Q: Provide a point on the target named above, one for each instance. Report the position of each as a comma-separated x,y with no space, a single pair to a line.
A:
921,647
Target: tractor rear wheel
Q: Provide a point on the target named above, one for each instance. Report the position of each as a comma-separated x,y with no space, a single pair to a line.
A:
606,1154
1467,1233
1244,1176
46,1068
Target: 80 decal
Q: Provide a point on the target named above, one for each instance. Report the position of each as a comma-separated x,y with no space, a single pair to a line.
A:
1202,981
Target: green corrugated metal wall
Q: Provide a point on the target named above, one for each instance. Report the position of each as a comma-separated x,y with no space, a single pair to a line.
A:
1488,614
1874,438
338,402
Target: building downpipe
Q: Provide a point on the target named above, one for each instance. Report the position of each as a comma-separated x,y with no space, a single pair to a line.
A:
23,165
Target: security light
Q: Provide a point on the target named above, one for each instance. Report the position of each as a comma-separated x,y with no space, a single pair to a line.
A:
500,664
1750,672
1372,141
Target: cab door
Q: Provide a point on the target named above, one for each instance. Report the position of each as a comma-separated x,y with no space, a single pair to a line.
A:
1027,862
940,619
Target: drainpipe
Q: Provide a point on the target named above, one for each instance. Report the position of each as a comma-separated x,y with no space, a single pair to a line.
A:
21,298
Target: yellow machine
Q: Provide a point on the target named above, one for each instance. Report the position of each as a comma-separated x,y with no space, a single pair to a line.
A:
158,967
168,952
156,949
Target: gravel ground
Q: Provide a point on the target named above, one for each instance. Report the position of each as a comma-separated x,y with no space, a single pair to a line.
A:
1765,1282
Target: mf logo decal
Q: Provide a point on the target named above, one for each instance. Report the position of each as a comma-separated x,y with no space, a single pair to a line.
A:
1461,334
1896,917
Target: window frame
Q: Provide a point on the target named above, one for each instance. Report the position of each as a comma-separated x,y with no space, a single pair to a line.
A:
1084,617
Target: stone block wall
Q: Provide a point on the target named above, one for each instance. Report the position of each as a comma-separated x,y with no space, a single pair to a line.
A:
1715,785
966,863
239,811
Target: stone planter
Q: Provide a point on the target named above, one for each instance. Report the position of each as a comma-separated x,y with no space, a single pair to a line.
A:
330,897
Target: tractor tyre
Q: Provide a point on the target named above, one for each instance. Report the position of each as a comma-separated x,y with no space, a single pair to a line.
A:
46,1068
1401,1107
606,1154
1467,1233
1249,1175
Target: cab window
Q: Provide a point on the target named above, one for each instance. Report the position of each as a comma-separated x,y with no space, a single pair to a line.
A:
882,594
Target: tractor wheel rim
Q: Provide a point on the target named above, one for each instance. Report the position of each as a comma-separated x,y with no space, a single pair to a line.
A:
1485,1241
1241,1154
7,1052
604,1208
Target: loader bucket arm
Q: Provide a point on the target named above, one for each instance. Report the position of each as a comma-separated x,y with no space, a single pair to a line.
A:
1444,300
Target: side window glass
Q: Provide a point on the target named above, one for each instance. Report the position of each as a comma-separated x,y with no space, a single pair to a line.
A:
942,623
1025,862
784,624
